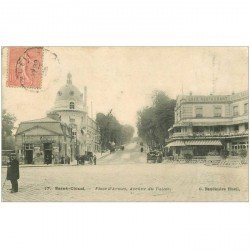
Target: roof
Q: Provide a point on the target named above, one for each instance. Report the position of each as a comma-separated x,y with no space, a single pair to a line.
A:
68,92
213,98
45,123
176,144
45,119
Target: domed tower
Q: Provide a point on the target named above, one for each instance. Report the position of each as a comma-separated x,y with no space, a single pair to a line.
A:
69,98
72,110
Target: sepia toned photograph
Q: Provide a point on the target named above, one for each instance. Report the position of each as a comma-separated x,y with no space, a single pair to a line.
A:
124,124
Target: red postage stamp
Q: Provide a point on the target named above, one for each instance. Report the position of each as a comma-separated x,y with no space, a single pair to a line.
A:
25,67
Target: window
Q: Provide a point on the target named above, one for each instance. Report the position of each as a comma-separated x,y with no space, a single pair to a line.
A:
71,105
29,146
246,126
245,108
217,111
199,112
235,111
72,120
187,112
236,128
198,129
218,129
178,129
74,134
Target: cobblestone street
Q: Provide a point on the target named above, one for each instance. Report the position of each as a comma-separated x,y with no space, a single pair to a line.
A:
130,182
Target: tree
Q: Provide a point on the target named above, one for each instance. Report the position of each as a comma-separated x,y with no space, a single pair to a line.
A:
127,133
146,125
164,114
112,131
8,121
153,122
103,123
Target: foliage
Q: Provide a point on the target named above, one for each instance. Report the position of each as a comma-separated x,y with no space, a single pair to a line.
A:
112,131
234,153
127,133
153,122
243,153
8,121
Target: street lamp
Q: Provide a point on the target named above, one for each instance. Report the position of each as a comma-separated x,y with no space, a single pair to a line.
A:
23,146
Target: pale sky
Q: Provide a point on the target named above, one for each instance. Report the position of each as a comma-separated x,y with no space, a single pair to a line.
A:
123,78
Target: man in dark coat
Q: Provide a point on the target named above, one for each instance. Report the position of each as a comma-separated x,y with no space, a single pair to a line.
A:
13,173
47,159
94,159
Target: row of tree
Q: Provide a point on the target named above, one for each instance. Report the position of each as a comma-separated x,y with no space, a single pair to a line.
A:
154,121
112,131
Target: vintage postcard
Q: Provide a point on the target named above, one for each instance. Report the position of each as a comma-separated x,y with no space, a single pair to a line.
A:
124,124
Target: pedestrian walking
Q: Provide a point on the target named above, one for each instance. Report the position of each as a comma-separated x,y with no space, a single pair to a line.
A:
94,159
67,159
77,160
47,159
91,158
83,158
13,173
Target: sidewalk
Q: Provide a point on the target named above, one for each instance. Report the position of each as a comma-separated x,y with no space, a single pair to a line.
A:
73,163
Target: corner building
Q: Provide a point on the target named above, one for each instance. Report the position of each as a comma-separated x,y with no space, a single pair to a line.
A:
207,123
71,106
66,132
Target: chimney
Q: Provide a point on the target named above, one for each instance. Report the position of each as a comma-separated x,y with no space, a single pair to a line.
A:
85,96
69,78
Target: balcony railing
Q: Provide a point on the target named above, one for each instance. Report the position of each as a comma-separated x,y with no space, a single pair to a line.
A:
209,134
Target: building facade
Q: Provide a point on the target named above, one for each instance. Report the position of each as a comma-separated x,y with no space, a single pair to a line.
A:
67,131
93,136
209,123
43,140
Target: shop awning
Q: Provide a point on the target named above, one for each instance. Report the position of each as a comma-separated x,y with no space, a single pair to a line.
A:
194,143
203,143
176,144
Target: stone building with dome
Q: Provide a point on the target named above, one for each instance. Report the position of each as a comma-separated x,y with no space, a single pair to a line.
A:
65,133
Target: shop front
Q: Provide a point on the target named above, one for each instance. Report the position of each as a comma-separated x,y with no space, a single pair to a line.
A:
44,141
194,147
41,151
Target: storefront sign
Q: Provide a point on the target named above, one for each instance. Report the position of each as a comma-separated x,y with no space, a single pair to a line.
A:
46,139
